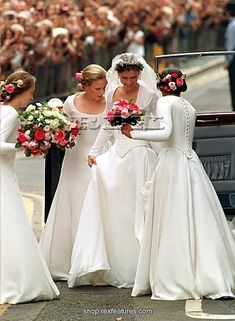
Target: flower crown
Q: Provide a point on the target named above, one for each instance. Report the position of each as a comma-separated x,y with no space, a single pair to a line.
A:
127,60
7,90
170,82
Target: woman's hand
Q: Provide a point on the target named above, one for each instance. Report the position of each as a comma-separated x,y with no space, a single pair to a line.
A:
126,129
91,160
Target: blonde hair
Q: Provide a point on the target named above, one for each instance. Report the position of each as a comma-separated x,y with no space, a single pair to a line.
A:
92,73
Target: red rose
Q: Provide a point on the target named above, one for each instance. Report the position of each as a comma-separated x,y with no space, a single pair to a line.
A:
75,131
36,151
21,138
39,135
174,75
60,135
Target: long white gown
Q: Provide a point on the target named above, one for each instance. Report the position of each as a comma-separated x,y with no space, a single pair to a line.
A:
60,231
187,249
112,217
24,275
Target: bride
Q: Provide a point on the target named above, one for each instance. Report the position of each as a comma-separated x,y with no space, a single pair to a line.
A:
111,223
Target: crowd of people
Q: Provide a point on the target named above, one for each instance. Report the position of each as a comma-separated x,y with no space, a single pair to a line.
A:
54,38
176,244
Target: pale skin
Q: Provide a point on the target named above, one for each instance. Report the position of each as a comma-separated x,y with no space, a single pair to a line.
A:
128,90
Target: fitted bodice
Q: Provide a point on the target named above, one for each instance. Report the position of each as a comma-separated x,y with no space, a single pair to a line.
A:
184,124
90,125
147,100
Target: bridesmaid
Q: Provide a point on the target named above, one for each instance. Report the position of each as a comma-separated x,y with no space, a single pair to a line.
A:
24,275
187,249
89,107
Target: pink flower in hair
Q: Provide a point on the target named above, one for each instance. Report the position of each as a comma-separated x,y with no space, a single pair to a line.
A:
179,82
9,88
78,76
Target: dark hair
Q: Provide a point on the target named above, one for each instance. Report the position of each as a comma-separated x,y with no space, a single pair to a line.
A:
230,7
121,68
20,80
172,81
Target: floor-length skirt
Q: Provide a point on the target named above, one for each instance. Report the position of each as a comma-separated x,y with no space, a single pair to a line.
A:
187,249
112,219
24,275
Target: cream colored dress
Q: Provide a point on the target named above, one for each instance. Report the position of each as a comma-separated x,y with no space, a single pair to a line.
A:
187,249
24,275
61,226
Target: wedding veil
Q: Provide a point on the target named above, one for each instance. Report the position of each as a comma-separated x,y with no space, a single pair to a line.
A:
147,75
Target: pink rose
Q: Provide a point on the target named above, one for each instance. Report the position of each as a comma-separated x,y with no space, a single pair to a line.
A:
78,76
125,113
134,107
179,82
110,116
122,103
9,88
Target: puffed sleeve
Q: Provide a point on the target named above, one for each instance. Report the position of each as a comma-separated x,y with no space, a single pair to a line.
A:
7,125
102,138
165,122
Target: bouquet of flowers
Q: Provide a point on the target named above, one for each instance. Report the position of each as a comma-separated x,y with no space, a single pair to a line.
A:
43,124
123,111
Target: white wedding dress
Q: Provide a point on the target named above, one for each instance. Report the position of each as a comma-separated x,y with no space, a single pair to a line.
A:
112,219
24,275
187,249
60,231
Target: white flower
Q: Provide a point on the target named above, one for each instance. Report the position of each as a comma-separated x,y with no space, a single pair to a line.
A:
55,113
30,108
172,85
54,123
19,83
30,117
38,104
47,113
47,128
27,134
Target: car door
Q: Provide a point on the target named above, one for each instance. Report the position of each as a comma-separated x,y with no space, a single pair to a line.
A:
214,137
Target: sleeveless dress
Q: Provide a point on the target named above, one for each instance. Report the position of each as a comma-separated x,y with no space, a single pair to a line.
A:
112,217
24,275
187,249
60,231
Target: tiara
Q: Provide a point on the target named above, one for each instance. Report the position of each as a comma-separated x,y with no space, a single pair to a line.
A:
128,60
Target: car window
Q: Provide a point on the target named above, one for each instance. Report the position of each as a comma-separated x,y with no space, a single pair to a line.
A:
207,79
